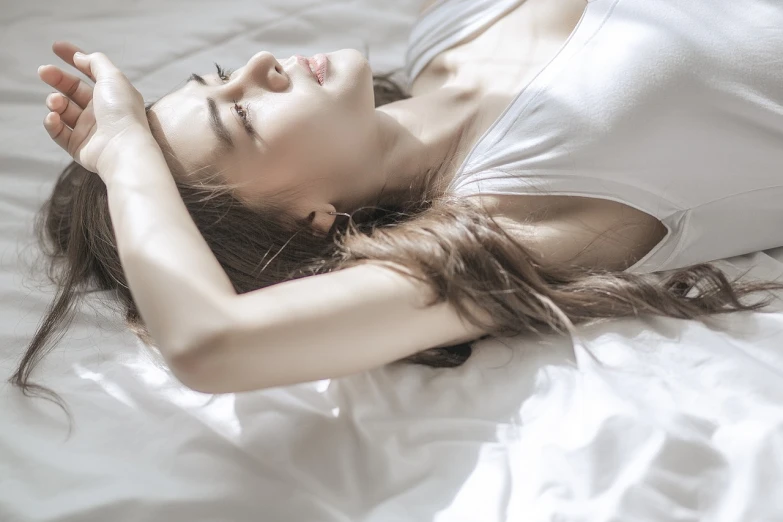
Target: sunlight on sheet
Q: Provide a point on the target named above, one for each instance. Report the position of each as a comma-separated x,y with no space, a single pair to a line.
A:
216,411
489,479
109,387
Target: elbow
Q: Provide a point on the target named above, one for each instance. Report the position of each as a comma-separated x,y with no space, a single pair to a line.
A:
197,367
215,366
190,371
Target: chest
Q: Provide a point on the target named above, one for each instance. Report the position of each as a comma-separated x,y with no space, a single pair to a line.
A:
500,59
497,62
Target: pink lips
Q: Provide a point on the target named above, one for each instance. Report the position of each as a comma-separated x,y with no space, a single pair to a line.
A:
320,62
316,65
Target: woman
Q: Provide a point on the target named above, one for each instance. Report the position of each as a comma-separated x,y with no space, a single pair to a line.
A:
543,154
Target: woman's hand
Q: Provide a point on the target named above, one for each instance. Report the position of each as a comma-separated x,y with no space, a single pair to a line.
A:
92,124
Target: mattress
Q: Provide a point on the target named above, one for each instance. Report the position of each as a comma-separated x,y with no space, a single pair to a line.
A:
641,419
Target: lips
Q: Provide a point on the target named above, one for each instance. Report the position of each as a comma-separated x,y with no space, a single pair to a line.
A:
316,65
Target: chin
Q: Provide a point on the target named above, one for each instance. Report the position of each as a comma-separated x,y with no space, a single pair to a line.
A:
350,72
347,64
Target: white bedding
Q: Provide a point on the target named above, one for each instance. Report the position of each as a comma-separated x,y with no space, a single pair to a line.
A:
690,426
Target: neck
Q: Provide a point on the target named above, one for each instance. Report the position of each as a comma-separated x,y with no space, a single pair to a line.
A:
421,137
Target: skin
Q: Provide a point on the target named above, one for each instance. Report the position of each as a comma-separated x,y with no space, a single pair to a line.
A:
354,152
358,155
314,327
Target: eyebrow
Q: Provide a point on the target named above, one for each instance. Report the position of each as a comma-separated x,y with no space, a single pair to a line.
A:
217,124
197,78
214,116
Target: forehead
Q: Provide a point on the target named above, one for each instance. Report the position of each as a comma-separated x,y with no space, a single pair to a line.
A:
181,119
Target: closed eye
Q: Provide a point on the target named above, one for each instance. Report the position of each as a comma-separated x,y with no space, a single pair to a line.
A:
244,115
240,110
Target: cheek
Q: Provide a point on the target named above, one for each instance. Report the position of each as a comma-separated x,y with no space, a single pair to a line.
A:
288,157
243,168
320,140
315,144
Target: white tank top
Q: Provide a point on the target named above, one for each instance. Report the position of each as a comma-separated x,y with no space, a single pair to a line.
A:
673,107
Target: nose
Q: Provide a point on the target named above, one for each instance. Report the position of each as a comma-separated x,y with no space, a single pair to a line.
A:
263,69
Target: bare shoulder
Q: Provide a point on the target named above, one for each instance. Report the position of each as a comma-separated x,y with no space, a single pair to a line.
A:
585,231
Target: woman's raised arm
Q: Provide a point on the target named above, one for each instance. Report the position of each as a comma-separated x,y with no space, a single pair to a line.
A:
323,326
213,339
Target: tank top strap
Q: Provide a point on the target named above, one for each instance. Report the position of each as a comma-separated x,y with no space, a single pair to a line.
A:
446,23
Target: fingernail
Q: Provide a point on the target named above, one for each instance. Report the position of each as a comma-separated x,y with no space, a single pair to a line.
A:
79,55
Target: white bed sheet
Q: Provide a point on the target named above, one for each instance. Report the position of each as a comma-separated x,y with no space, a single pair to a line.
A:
690,427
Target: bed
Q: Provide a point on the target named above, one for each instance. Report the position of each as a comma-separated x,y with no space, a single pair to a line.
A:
641,419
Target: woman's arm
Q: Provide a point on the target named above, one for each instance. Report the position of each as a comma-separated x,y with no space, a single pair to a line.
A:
213,339
216,341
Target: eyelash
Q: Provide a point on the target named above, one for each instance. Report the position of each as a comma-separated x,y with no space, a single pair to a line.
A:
223,74
242,112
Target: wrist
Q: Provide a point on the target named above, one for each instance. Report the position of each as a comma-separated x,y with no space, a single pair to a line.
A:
133,142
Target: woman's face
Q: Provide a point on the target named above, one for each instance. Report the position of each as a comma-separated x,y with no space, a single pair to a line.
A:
270,126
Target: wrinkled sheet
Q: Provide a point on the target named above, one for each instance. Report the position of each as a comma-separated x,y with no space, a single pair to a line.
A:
654,419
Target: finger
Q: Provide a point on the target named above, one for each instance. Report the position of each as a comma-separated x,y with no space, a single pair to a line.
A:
68,110
95,65
65,51
68,84
57,130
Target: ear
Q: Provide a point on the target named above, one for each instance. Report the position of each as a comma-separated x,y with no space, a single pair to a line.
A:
321,219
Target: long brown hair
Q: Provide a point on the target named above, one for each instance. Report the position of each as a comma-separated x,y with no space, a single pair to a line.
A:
452,245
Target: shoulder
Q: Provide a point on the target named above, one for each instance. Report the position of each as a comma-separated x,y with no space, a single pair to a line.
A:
585,231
